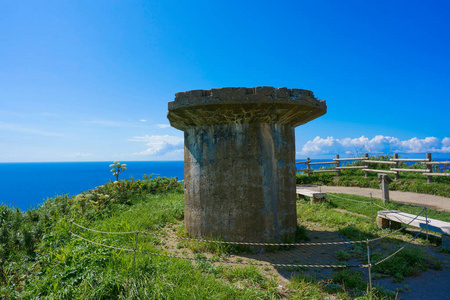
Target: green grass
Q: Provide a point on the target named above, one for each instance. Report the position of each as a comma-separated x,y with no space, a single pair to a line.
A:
408,262
357,224
41,259
60,266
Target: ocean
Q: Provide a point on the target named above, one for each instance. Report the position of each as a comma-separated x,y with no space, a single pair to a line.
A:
27,185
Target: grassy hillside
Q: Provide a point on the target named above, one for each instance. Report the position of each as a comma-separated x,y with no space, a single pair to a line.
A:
39,258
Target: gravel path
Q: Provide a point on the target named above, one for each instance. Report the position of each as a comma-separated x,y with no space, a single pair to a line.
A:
432,201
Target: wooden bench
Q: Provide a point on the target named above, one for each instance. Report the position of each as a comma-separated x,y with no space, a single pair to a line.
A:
315,196
394,219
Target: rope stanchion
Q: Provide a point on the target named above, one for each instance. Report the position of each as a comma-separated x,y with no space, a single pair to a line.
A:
369,267
426,226
70,228
371,210
134,254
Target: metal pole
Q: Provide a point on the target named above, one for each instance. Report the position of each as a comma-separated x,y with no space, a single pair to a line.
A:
369,267
426,225
371,209
70,229
134,254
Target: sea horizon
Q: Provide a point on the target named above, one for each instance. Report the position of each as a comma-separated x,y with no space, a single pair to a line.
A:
27,185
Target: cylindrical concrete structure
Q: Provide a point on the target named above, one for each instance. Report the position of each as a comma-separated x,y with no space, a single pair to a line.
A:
239,159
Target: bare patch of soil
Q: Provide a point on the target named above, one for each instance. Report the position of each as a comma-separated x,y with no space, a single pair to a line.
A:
431,284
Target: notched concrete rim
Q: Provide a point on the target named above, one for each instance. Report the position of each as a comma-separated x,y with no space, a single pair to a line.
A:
243,95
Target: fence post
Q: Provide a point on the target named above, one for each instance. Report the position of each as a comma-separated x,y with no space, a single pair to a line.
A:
426,225
429,167
371,210
396,166
134,254
338,164
366,164
308,166
70,229
369,267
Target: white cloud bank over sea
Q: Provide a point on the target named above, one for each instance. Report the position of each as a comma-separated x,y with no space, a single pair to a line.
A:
379,144
161,145
168,147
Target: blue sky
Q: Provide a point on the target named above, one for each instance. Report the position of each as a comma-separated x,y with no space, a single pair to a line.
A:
90,80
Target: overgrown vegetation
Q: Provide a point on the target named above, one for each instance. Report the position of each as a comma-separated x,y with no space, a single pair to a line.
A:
355,221
407,182
39,258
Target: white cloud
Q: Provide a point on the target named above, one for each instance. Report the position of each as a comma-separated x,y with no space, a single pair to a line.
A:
163,125
378,144
445,145
160,144
142,120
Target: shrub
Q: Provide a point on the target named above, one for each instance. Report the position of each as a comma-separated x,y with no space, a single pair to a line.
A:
117,167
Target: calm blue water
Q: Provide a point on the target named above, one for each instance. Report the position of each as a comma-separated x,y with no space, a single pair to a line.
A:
27,185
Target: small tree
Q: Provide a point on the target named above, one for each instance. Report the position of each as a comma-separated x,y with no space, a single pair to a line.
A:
117,167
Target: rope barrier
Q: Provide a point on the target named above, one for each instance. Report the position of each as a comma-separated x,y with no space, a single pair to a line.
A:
367,202
369,265
403,247
223,242
105,232
384,208
216,261
250,243
255,244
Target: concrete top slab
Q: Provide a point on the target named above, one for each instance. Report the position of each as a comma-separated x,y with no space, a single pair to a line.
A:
240,105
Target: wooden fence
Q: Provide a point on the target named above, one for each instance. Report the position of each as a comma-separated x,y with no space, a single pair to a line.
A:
393,162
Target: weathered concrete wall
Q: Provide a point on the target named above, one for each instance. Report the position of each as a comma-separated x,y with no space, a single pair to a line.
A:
240,160
243,190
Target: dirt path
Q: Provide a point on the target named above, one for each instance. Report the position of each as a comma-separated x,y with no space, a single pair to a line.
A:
432,201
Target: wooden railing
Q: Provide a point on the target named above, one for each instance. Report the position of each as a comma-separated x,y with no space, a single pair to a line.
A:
393,162
430,165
